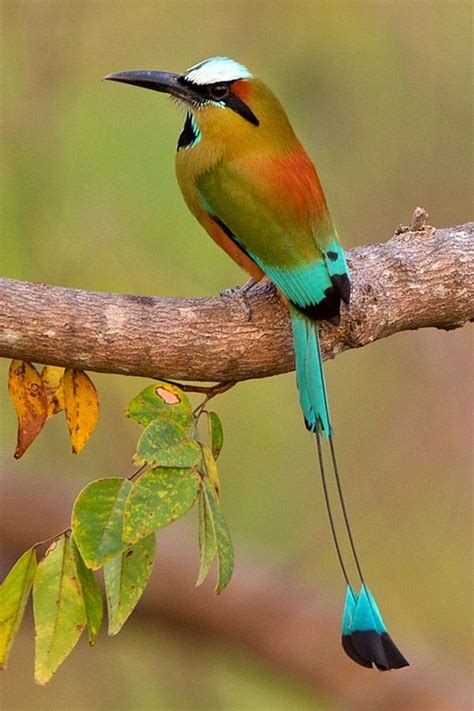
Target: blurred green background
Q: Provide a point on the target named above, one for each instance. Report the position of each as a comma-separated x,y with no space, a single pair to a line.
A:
379,93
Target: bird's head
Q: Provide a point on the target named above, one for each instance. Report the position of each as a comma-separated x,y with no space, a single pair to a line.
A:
223,101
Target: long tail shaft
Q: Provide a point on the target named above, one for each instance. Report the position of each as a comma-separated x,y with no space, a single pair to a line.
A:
364,635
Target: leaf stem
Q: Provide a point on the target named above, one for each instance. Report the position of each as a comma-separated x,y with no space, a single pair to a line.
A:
211,392
136,472
66,531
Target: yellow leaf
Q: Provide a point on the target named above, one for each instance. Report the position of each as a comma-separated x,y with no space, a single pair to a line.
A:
28,396
82,407
52,377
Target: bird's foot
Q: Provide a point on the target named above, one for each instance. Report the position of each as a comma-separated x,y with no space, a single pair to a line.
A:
240,294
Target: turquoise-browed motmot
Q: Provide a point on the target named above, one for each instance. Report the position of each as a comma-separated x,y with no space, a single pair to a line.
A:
248,180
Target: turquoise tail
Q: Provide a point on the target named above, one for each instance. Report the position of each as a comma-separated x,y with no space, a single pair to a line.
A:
309,374
364,636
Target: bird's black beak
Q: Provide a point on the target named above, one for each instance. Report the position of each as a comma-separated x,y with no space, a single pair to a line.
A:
166,82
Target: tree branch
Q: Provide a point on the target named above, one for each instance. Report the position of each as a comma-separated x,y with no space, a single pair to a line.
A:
422,277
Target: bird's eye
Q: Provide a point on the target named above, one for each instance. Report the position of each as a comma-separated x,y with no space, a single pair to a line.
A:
219,91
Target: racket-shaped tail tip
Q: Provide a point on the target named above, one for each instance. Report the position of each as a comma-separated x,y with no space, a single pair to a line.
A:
364,636
350,606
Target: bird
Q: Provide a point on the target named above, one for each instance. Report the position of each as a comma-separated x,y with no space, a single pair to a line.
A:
249,182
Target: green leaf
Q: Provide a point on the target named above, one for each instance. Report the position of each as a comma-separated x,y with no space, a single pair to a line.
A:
211,468
158,400
207,541
207,538
58,605
165,443
91,595
225,552
97,520
14,593
159,497
216,433
125,579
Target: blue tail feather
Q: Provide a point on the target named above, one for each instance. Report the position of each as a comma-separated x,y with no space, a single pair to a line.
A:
350,605
309,374
367,615
335,259
364,636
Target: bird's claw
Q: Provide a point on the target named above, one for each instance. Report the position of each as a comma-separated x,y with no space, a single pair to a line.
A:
240,294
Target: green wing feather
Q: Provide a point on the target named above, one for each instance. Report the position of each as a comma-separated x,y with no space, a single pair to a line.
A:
277,240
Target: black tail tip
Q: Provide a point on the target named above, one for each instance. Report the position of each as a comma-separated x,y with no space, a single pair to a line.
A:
369,648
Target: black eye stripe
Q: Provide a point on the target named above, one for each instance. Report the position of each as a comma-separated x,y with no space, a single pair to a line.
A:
240,107
218,90
203,93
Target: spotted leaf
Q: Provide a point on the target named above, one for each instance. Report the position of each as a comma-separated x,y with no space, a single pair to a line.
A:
97,520
158,498
125,579
28,396
166,443
52,377
216,433
91,595
207,541
58,605
82,407
225,552
211,467
14,593
161,399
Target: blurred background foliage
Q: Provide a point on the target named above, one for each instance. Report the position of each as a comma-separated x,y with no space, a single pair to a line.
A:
379,93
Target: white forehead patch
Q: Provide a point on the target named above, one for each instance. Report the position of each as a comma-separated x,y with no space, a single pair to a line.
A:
217,69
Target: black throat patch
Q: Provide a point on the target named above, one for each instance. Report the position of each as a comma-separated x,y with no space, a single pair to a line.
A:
189,136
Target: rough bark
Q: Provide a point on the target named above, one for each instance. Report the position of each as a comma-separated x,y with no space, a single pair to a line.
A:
422,277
